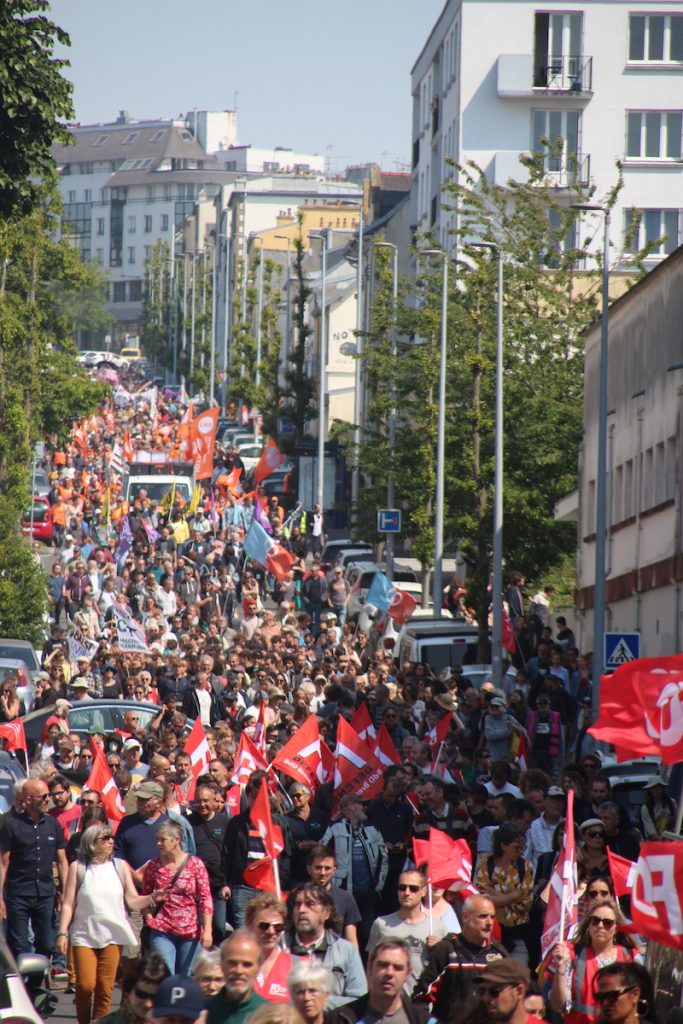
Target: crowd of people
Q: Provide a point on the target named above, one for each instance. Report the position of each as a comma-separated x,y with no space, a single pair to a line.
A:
163,900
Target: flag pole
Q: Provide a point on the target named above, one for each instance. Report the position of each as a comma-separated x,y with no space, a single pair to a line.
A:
276,874
430,907
438,755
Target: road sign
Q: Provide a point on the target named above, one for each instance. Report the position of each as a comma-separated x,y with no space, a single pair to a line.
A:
620,648
388,520
285,428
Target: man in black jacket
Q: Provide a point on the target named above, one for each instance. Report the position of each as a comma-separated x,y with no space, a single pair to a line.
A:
201,701
209,827
388,971
446,982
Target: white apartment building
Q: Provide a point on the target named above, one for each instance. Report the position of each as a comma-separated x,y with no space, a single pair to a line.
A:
604,76
127,184
280,160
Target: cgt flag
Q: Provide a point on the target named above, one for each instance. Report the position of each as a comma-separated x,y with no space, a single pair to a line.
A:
272,457
362,723
356,769
101,781
623,872
203,430
656,896
197,749
248,759
301,756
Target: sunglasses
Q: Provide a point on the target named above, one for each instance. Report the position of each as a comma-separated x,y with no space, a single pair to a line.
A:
142,993
594,833
606,922
265,926
612,994
409,888
490,990
105,839
85,802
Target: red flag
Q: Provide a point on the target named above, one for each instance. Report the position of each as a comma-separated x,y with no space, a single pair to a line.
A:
101,781
203,438
655,900
279,561
197,748
362,723
401,606
356,769
421,852
301,756
328,761
272,457
262,874
623,873
436,736
641,710
508,638
563,889
233,799
248,759
384,749
14,736
260,730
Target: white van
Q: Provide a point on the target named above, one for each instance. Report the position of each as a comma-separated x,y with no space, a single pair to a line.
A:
439,643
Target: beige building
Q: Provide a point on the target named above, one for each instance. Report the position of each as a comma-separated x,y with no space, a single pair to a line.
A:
644,549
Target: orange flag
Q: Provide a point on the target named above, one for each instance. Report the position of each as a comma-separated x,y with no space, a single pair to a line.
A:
203,438
269,461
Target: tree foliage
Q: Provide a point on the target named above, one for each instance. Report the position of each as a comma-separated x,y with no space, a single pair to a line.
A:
300,395
35,100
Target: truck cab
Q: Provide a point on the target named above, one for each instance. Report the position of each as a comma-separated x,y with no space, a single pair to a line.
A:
159,477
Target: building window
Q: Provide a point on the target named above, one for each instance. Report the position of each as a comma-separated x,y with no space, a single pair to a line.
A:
135,291
100,140
628,489
555,133
158,135
130,138
148,252
100,225
148,223
654,135
119,294
657,228
655,38
131,254
88,195
558,48
164,222
131,225
72,195
99,257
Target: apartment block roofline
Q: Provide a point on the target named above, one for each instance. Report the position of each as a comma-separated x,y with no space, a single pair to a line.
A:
434,28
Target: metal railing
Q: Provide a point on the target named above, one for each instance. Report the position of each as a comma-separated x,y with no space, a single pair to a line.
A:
564,73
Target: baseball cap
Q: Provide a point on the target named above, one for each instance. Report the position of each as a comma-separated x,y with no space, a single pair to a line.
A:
148,789
131,743
591,823
498,702
178,996
505,971
79,683
555,791
41,675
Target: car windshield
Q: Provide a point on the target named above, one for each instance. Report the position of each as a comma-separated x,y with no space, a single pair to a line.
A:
39,512
158,491
107,718
25,654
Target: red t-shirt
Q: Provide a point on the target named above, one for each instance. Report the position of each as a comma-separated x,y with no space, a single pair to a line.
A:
68,819
274,986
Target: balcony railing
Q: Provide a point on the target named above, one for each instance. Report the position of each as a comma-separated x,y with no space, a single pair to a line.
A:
568,171
571,74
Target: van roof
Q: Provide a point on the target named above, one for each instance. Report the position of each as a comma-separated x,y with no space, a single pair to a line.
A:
439,627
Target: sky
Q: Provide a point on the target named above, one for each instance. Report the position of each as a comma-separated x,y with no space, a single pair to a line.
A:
318,76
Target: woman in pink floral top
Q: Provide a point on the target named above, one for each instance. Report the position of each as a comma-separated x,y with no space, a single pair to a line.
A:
183,921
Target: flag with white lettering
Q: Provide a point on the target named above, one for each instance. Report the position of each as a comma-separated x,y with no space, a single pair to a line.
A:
130,636
356,769
656,896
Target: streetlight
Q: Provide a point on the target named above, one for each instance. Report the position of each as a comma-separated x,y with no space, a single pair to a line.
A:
322,235
389,546
437,579
358,381
601,481
288,314
497,587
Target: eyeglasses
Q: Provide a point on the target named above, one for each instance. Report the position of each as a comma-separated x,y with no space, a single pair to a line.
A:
409,888
606,922
594,833
142,993
612,994
596,894
105,839
85,802
265,926
490,990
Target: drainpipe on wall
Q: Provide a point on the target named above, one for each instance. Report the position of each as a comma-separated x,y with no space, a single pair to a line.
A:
678,479
639,505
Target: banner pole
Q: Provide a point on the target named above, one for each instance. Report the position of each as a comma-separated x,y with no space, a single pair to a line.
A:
679,812
276,873
430,907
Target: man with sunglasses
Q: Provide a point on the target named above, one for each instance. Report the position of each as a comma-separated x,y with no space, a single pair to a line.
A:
139,987
501,990
410,922
446,982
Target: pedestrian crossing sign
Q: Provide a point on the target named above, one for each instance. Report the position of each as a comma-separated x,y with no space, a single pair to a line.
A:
620,648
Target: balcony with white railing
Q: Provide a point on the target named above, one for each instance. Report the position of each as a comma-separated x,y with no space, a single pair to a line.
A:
524,75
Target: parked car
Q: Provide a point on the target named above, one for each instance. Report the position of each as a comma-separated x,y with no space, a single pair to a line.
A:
16,1006
333,548
25,690
22,650
359,576
102,714
250,454
354,553
40,482
11,771
36,520
439,643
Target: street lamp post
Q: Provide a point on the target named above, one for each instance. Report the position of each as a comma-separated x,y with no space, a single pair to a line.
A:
259,340
358,379
601,477
288,314
437,578
323,359
389,546
497,585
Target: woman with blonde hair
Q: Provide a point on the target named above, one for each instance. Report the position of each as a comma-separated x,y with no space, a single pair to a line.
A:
265,917
93,918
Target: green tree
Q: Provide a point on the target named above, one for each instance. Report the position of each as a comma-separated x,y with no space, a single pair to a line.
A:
35,101
300,405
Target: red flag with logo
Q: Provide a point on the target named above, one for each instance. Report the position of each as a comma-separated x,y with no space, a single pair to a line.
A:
563,889
272,457
14,736
203,430
301,756
261,874
248,759
356,769
436,736
328,761
641,709
623,872
101,781
656,895
449,861
197,748
384,749
401,606
279,561
361,721
233,800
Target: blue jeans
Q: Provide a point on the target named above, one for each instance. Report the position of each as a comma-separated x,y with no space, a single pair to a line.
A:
38,912
219,919
177,953
240,896
340,611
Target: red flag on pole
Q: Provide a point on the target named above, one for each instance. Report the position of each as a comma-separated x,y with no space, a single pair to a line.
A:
362,723
401,606
197,748
562,912
14,736
279,561
203,438
448,861
328,761
272,457
264,873
384,749
248,759
623,873
655,899
101,781
301,756
356,769
436,736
